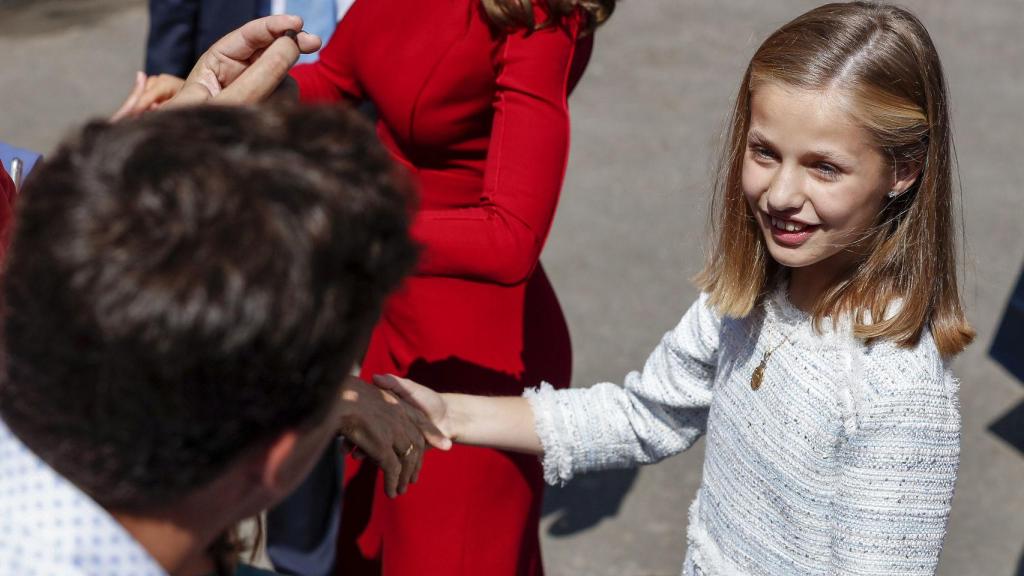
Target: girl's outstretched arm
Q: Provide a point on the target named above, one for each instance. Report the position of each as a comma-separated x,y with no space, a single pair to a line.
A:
498,422
659,411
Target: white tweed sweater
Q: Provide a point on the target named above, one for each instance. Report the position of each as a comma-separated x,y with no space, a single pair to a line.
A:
842,462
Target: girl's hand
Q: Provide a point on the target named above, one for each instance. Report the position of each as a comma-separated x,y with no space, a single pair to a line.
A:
430,403
148,94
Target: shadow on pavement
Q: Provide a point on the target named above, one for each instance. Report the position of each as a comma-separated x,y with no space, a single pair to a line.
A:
1008,350
22,18
587,500
1010,427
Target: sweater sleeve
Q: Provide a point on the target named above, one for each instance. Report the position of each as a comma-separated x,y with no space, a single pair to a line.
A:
660,412
333,77
500,238
896,478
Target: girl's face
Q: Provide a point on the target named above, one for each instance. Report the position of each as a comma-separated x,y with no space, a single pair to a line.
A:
814,180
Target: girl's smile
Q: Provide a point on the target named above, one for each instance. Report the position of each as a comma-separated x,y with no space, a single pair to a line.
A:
789,232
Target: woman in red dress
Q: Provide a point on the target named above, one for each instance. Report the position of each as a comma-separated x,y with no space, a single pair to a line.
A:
470,96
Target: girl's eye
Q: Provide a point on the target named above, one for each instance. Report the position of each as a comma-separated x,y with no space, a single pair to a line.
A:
762,153
828,171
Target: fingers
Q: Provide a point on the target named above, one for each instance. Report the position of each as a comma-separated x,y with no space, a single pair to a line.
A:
429,407
409,456
308,43
248,64
242,43
391,466
421,451
265,74
380,426
401,387
159,89
430,433
240,47
372,443
200,88
131,103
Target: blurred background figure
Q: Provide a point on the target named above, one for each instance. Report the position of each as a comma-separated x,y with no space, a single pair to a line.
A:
181,30
320,17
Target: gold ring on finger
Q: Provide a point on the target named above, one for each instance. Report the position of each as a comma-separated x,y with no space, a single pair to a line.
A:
408,450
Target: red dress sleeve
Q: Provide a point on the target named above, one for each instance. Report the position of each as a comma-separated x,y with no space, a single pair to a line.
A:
332,77
500,239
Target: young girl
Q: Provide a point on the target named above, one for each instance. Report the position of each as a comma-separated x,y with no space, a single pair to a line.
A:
816,360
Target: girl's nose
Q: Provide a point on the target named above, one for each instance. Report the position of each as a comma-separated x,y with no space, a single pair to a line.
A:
785,192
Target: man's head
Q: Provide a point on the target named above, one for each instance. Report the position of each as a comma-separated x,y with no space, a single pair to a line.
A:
187,286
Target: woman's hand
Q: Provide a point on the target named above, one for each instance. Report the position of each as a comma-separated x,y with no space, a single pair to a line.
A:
428,402
148,94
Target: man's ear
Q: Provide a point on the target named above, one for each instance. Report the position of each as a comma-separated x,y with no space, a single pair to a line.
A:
272,468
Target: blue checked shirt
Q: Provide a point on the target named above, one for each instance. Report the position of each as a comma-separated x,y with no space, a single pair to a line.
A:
48,527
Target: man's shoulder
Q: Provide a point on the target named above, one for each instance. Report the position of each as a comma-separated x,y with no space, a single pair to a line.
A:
49,526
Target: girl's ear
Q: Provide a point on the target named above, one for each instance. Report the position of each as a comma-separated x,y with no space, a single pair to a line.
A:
904,176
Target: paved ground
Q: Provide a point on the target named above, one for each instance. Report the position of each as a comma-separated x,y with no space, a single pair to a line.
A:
630,226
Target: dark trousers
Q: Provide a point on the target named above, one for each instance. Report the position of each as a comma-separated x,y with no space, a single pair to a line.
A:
302,531
181,30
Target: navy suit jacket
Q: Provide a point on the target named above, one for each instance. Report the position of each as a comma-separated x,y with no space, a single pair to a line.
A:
181,30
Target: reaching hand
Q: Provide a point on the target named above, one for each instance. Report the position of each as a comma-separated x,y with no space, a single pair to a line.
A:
390,432
148,94
247,65
428,402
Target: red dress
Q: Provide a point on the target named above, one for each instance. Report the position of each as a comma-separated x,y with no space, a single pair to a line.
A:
7,194
479,117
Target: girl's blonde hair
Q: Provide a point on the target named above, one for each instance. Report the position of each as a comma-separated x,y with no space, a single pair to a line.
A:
519,13
882,58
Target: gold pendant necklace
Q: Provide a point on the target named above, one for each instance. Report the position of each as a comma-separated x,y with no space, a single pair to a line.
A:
758,376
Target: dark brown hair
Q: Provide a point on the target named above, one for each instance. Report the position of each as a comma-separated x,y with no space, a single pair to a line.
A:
184,285
520,14
883,59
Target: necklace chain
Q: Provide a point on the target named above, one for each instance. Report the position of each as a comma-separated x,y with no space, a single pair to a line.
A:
757,377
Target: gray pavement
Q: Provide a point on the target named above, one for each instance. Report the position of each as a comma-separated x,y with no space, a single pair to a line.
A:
630,228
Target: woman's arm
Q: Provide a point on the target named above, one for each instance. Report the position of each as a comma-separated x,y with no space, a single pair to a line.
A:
500,239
